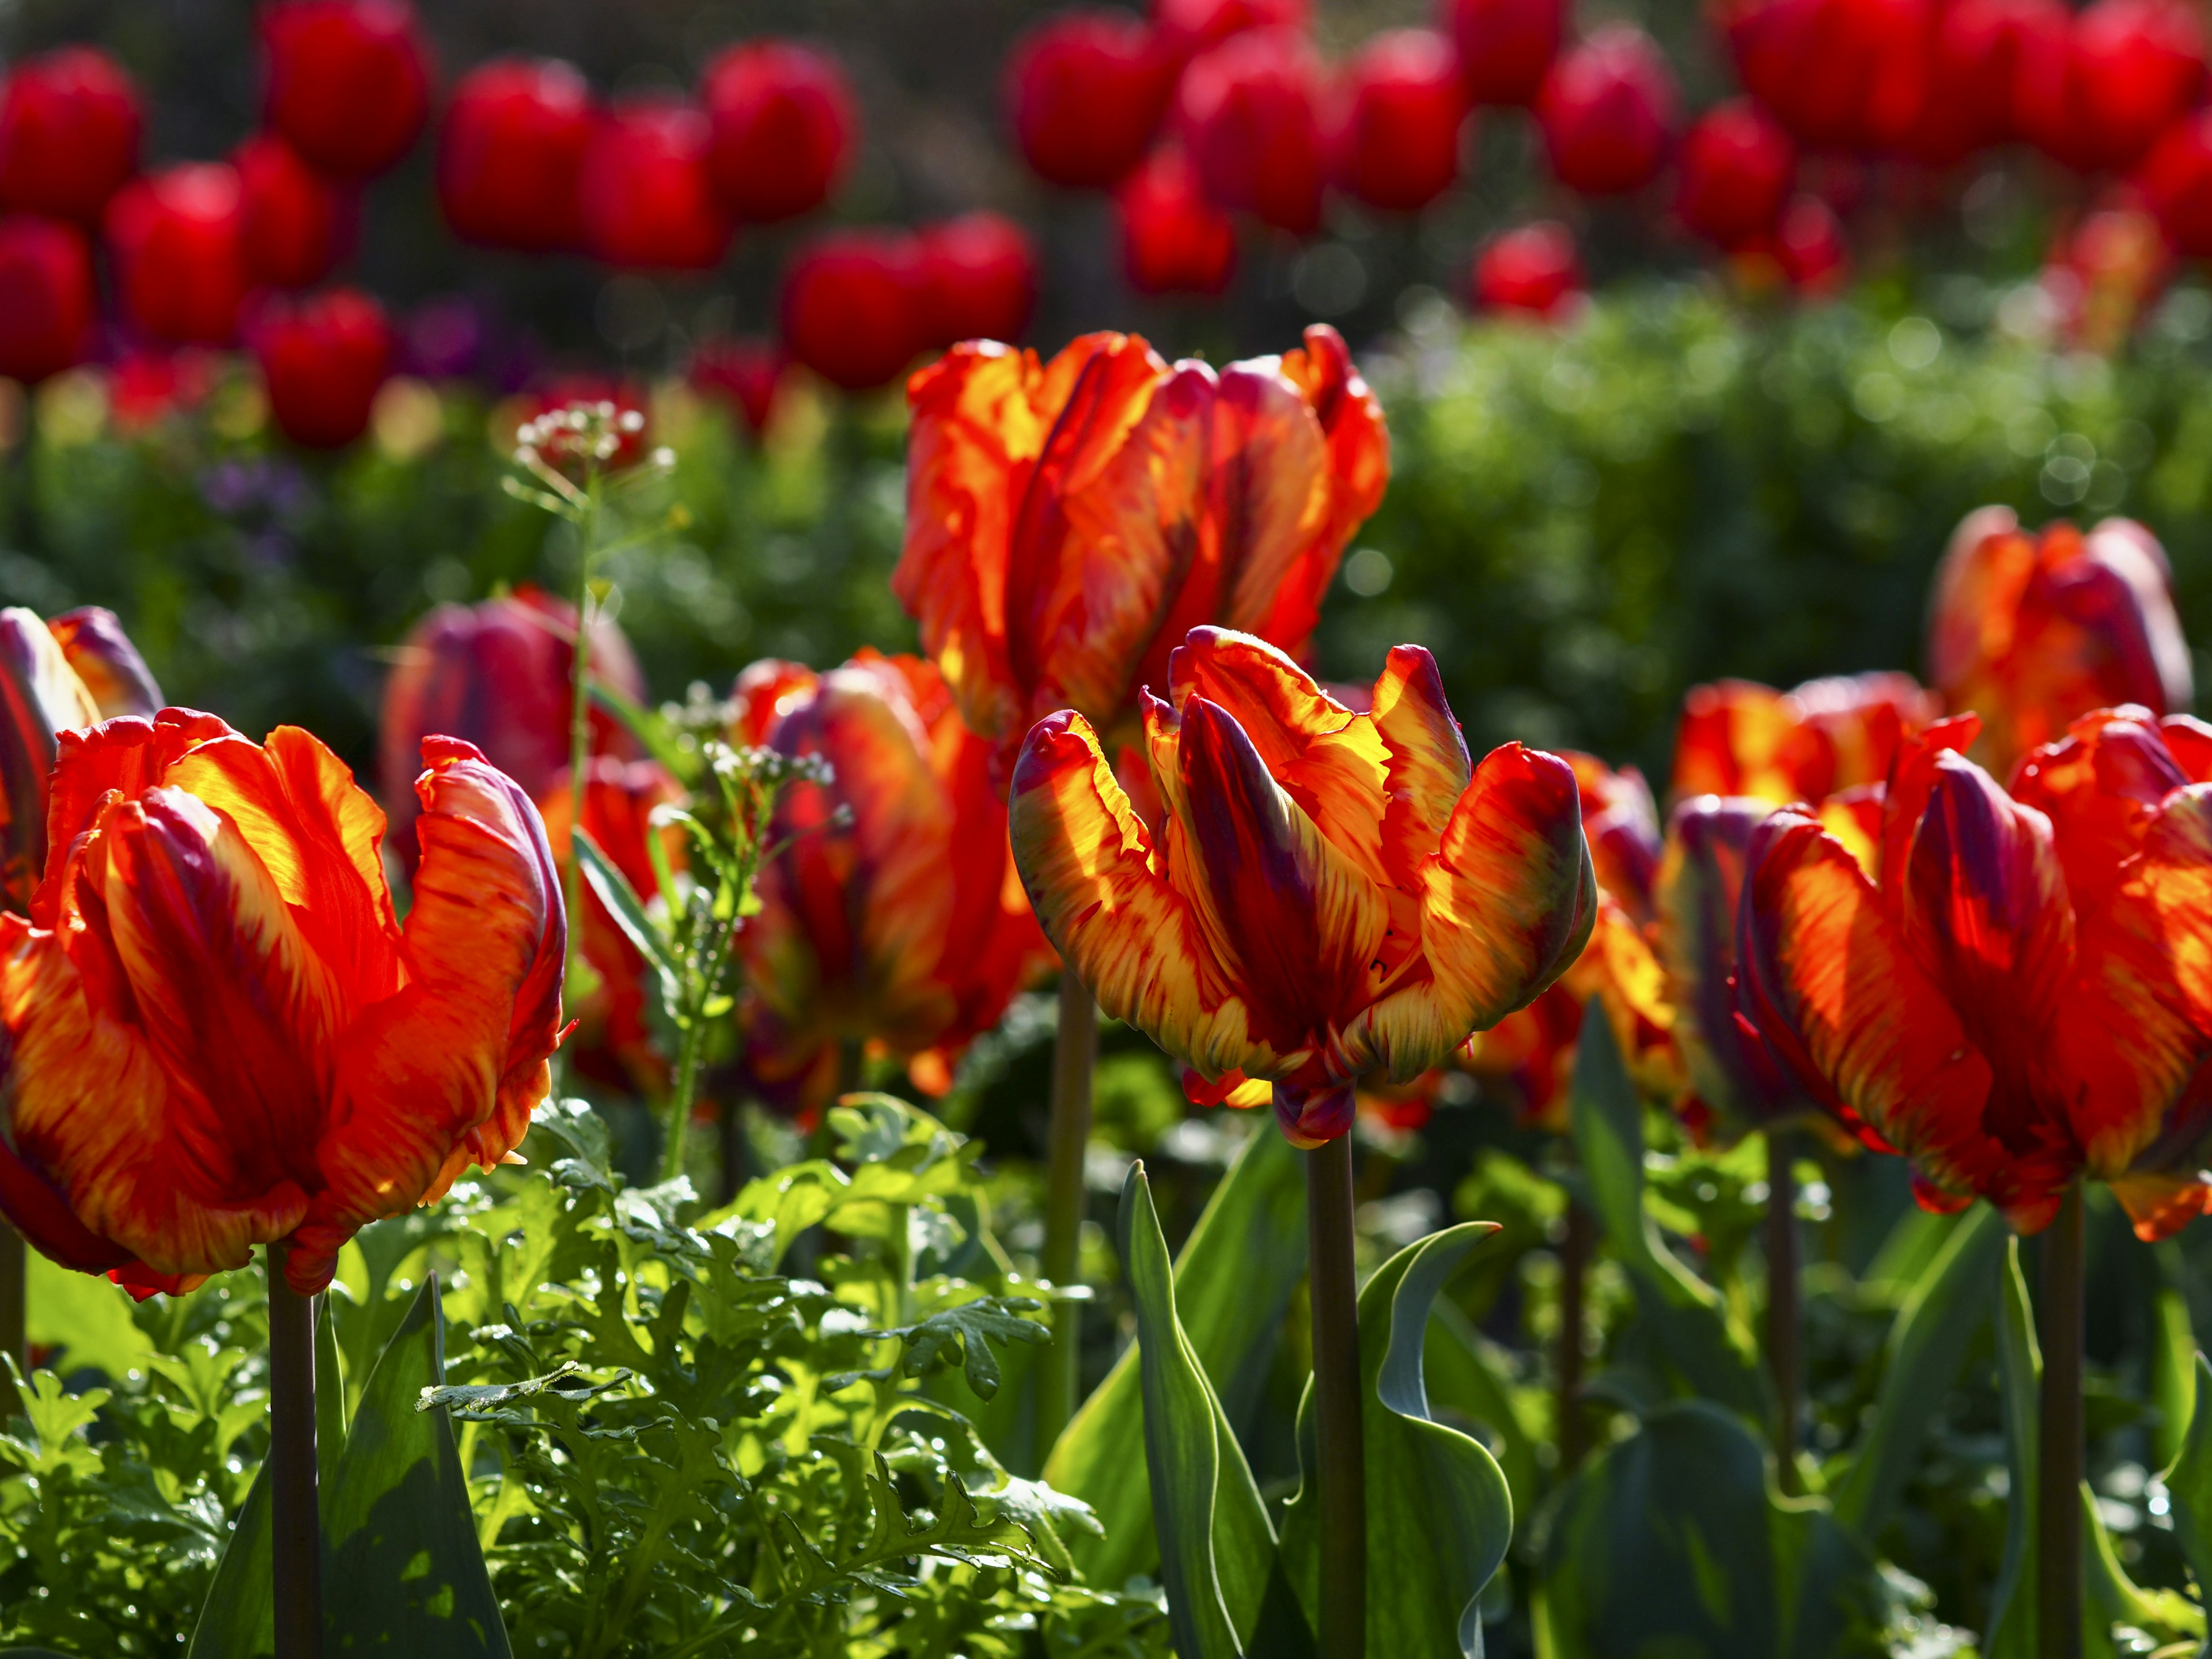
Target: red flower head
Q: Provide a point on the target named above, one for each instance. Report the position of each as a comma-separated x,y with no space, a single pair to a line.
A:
1608,113
2021,993
852,307
1838,74
296,223
1739,738
1068,522
1250,113
177,239
1085,91
1190,26
1505,46
219,1035
2176,184
1533,268
324,358
2098,86
48,305
70,125
1174,239
644,197
978,276
1736,167
349,81
511,155
1330,893
1399,109
2032,631
744,375
1975,59
785,126
904,928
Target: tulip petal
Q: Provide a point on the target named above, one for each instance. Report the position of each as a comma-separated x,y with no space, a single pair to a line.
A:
113,672
1313,1117
1358,442
764,692
1427,766
40,695
2100,786
129,754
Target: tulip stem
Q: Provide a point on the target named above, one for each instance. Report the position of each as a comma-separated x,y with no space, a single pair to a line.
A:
15,1298
1074,1056
2059,1577
1334,1290
1784,1359
296,1538
579,734
1574,1251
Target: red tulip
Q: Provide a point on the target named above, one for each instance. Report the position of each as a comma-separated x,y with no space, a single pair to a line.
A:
1736,167
1608,113
1249,110
1400,106
47,304
784,126
349,81
851,307
323,357
978,278
296,221
2176,181
1974,65
1534,268
1846,74
2096,93
70,125
647,201
1505,46
511,153
744,376
1190,26
1085,91
179,241
1738,738
2102,273
1174,240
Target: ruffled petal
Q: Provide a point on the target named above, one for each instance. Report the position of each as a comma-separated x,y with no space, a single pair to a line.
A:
1352,423
1314,1117
2100,786
1621,825
764,693
113,672
129,755
40,695
1426,765
1739,738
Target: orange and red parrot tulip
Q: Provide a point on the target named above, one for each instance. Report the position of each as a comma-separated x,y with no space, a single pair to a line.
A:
2031,631
1331,893
903,927
1069,521
2023,992
218,1036
1739,738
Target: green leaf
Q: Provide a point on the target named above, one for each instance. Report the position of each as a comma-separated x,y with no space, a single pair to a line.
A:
1233,1284
648,728
1469,1374
1439,1512
960,1533
86,1316
2011,1632
964,1333
627,910
329,1395
1927,1347
238,1620
2174,1355
2188,1483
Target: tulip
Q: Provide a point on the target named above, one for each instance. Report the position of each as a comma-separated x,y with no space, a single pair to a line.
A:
349,81
1607,112
511,155
1741,738
1974,66
1084,93
323,358
69,127
1401,106
647,200
1837,74
1534,268
2176,181
1067,522
1809,246
902,928
978,276
48,308
295,223
1190,26
2030,632
851,307
2096,93
1736,169
1248,111
784,129
177,239
744,376
1505,46
1174,240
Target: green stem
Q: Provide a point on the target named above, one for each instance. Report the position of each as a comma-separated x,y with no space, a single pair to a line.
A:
679,1099
1569,1423
1783,1346
1334,1292
296,1537
2058,1575
579,732
1074,1057
15,1298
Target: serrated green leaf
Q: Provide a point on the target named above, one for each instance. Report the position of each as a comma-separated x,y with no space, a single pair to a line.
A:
963,1333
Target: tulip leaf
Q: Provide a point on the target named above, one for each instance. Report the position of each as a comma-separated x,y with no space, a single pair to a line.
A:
2174,1355
627,910
1233,1283
2019,1375
1439,1512
1469,1375
329,1395
2188,1483
238,1620
651,732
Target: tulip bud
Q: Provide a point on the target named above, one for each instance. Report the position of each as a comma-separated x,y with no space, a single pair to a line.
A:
2176,181
1190,26
324,358
1736,167
1848,74
1249,112
1174,240
784,126
349,81
647,201
1084,93
177,239
851,307
69,127
1505,46
47,303
1400,106
296,221
1534,268
744,376
979,279
510,152
2098,94
1608,113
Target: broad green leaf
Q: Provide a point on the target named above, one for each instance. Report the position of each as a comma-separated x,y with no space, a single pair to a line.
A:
2011,1633
2188,1483
1439,1512
85,1316
2173,1357
238,1619
627,910
329,1395
1233,1283
1467,1373
1927,1346
2115,1598
1909,1249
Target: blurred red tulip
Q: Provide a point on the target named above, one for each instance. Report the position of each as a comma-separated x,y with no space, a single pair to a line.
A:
647,201
2104,272
1249,110
1534,268
47,304
177,239
1736,165
349,81
2176,181
1608,113
851,306
1505,46
70,125
510,154
744,376
296,221
144,386
1843,73
2096,93
784,123
1174,240
1400,109
1975,58
323,357
1810,245
979,279
1190,26
1085,91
